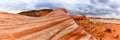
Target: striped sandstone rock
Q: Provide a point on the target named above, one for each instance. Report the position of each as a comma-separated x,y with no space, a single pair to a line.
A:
56,25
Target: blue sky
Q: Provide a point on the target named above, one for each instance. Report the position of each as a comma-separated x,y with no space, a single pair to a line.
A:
100,8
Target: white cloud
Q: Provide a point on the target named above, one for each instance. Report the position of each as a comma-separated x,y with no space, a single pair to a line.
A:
88,7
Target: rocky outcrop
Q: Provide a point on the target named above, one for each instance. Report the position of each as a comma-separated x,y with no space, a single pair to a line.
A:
56,25
36,13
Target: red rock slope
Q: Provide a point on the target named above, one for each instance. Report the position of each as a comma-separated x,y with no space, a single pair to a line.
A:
102,29
56,25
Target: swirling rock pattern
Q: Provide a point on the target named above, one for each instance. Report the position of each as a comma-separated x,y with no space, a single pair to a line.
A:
56,25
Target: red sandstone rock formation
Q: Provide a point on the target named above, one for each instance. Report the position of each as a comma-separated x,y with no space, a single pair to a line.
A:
56,25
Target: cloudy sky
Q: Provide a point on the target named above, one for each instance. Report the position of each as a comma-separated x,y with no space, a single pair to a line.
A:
100,8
